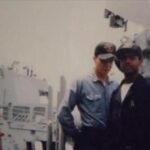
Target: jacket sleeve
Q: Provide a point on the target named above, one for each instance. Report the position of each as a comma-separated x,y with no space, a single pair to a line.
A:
65,116
113,130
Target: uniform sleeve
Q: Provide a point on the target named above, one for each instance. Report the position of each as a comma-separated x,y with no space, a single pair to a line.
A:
65,116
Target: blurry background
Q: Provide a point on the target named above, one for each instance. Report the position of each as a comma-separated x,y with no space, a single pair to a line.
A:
56,38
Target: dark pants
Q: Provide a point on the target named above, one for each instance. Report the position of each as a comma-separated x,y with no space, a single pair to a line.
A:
90,139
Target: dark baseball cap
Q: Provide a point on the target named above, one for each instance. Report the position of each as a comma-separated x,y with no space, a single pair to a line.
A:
105,50
129,49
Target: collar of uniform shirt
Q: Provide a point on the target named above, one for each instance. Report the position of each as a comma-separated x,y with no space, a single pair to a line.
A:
96,79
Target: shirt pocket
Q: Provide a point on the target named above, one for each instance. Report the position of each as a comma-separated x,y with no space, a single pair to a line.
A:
94,103
93,97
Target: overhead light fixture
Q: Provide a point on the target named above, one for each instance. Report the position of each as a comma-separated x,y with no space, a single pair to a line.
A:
116,21
107,13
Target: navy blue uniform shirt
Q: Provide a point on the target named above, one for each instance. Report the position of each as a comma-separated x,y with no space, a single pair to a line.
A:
92,98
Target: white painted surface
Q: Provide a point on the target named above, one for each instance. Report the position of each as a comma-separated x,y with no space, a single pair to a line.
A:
56,37
135,10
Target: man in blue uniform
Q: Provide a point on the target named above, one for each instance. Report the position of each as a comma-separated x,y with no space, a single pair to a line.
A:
130,103
92,96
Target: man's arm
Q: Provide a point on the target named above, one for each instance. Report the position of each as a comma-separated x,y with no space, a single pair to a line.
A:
65,116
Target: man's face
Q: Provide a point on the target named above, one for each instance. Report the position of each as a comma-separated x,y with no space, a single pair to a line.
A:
103,66
130,64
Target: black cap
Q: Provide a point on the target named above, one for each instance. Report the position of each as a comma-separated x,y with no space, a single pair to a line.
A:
105,50
128,49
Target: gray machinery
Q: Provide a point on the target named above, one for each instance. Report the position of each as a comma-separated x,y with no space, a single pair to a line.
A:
25,112
143,40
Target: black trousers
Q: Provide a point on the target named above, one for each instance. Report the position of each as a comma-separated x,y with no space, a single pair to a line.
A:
90,139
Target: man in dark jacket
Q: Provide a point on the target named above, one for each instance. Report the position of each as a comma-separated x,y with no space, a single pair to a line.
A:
130,104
